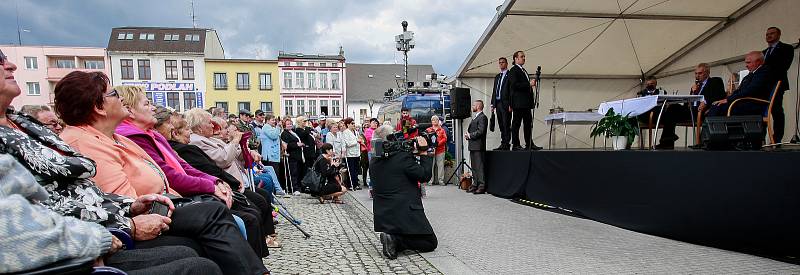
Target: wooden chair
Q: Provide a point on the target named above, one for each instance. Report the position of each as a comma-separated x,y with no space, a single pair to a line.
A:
767,112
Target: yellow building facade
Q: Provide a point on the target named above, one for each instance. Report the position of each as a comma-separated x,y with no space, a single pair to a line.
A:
235,84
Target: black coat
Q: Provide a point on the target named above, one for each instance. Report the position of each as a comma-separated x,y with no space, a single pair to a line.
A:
759,84
520,89
505,94
198,159
714,90
295,152
780,60
397,202
477,133
309,150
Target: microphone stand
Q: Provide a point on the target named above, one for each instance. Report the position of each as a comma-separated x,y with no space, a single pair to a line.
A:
796,137
538,78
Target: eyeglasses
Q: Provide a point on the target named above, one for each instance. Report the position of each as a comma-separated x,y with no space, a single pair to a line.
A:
3,59
112,93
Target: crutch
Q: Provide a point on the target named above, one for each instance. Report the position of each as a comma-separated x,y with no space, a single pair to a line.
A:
284,212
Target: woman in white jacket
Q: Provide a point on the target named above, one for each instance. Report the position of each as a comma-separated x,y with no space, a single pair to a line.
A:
352,152
334,137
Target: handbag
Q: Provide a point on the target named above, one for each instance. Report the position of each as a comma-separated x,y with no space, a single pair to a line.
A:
312,181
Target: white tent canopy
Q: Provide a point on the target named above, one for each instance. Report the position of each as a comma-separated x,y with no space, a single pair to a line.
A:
597,50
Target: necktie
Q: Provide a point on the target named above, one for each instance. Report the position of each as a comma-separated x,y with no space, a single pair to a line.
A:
500,84
769,51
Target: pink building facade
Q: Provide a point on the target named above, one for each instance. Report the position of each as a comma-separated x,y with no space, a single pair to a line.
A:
39,68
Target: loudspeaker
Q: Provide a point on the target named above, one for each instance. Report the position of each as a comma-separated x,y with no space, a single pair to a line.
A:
460,103
733,133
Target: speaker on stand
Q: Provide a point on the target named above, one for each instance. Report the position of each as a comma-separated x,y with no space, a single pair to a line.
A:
460,108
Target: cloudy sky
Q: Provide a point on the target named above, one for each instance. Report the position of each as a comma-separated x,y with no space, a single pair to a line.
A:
445,30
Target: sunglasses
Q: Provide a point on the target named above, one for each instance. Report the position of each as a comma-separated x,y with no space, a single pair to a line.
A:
112,93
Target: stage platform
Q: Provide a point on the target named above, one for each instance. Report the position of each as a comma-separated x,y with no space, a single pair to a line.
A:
742,201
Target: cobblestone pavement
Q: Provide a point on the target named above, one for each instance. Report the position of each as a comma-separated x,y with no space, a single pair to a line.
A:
483,234
342,242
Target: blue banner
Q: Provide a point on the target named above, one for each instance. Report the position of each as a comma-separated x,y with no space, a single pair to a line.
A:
163,86
199,100
159,99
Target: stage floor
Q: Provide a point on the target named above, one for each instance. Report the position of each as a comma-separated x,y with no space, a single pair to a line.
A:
744,201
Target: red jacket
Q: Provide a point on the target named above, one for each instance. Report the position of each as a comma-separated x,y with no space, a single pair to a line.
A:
405,125
441,139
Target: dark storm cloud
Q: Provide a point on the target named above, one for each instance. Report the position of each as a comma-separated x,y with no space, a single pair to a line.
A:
445,30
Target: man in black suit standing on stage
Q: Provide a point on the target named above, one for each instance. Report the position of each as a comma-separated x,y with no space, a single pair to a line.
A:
476,135
501,105
779,57
521,89
711,88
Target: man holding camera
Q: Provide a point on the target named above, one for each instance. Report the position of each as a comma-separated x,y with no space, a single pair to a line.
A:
396,177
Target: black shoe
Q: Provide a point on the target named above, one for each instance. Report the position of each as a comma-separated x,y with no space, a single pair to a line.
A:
517,148
472,189
665,146
479,191
533,147
389,246
502,148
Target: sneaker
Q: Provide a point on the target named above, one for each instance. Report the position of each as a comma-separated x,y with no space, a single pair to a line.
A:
296,193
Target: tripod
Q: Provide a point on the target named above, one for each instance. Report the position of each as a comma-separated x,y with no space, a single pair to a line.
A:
463,163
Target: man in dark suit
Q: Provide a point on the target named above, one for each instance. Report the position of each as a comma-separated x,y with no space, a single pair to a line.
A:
711,88
397,207
501,104
779,57
758,84
521,89
476,135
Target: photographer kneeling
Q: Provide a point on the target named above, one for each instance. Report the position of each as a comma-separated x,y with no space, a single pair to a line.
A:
396,175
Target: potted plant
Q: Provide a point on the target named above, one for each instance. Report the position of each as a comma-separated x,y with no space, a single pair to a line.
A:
621,129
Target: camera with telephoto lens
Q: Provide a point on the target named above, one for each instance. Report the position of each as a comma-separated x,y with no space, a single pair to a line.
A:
396,142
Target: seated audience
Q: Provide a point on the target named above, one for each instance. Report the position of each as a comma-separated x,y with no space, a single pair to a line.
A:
44,115
759,83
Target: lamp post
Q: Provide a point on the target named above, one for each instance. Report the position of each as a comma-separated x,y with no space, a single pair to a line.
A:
404,43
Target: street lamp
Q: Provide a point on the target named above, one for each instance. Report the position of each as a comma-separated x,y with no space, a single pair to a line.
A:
404,43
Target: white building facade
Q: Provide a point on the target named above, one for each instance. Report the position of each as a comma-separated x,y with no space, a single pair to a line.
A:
313,85
169,63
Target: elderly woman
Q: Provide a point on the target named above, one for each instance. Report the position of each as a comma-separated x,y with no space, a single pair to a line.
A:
270,136
199,159
44,115
305,131
441,143
334,139
67,177
294,154
226,156
352,152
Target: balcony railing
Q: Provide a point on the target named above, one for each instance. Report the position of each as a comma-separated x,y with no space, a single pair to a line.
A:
243,87
55,73
265,87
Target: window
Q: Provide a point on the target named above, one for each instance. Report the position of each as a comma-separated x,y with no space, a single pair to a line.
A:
286,64
151,36
189,100
335,107
121,36
287,106
311,64
243,82
94,64
125,36
144,69
312,80
196,37
264,81
301,107
298,80
149,96
33,88
323,81
287,80
266,107
323,107
312,107
142,36
322,64
167,37
187,66
188,37
334,81
363,113
65,63
129,36
31,63
298,63
127,68
172,37
220,81
244,105
173,100
171,68
223,105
